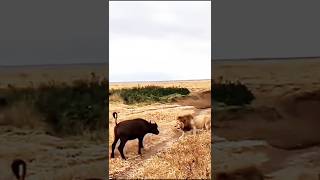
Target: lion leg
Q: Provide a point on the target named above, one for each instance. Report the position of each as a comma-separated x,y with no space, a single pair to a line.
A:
182,135
208,125
194,131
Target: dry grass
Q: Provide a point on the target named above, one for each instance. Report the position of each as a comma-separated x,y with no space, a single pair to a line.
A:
21,115
24,76
163,157
189,158
271,78
115,98
163,115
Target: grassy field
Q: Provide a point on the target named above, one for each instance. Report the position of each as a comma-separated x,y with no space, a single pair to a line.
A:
164,155
59,130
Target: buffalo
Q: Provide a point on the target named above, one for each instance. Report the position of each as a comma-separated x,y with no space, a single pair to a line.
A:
130,130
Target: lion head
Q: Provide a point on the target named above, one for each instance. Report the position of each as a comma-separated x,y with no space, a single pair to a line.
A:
184,122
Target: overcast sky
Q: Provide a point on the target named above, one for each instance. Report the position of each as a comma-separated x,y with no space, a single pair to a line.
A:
53,32
251,29
75,31
159,40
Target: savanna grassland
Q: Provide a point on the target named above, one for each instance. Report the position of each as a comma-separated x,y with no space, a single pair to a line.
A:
277,132
53,117
164,156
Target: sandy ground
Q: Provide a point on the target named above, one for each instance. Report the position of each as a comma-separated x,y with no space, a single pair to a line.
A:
278,133
164,115
50,157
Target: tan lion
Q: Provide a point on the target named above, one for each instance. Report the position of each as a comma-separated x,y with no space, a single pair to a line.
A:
189,122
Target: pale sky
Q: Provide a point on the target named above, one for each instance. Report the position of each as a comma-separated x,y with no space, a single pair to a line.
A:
259,29
36,32
159,40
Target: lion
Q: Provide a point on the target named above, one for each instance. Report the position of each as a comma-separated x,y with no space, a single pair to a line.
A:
189,122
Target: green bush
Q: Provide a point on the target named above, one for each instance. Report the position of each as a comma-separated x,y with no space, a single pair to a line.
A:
69,109
232,93
149,94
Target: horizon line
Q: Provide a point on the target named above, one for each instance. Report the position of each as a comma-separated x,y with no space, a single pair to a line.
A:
268,58
143,81
51,64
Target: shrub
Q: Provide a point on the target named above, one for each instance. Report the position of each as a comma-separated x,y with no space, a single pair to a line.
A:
69,109
149,94
232,93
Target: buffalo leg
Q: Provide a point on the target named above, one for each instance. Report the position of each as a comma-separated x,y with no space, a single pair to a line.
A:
114,146
121,146
140,145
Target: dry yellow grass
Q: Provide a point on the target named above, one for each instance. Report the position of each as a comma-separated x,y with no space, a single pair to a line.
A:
163,156
163,115
22,76
115,98
189,158
21,115
272,78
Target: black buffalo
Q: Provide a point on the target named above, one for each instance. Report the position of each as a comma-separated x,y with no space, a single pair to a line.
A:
132,129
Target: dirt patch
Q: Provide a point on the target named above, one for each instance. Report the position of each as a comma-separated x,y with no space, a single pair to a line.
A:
50,157
292,124
200,100
249,173
303,105
280,89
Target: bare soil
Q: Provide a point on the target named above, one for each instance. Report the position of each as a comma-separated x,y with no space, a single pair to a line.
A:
50,157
